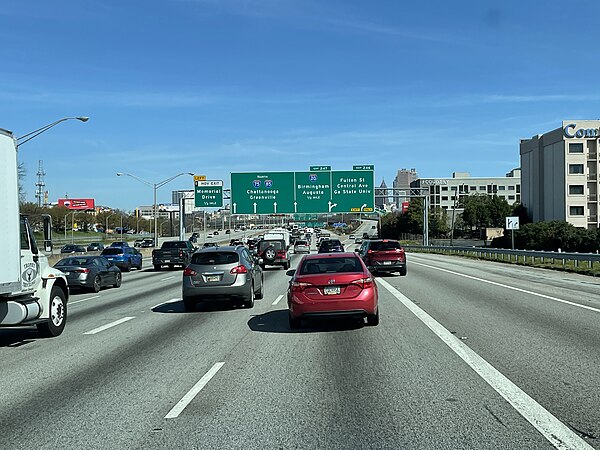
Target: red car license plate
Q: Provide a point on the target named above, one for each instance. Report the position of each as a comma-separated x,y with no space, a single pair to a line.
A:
331,290
387,263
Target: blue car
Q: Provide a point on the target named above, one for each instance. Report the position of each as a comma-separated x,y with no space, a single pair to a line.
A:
123,257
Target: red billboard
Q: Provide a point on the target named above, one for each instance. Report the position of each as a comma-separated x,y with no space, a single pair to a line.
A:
405,206
77,204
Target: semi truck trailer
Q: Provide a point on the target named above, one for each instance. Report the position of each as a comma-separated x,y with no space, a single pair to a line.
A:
32,293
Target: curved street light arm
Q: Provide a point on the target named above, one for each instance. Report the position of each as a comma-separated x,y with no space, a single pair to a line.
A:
162,183
121,174
45,128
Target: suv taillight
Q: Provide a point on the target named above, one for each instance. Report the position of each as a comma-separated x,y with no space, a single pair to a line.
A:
187,272
239,269
281,254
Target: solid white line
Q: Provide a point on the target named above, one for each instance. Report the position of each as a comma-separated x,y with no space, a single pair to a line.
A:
109,325
509,287
168,278
83,300
277,300
557,433
187,398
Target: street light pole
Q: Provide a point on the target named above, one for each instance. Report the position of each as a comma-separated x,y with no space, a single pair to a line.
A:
155,187
45,128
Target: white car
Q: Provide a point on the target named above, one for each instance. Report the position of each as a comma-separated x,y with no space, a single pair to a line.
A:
351,236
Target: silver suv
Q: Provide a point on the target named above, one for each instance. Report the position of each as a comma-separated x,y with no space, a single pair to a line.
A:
222,273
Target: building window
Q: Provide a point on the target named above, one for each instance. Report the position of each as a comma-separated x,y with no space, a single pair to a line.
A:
576,189
473,188
482,188
501,188
511,188
576,210
444,188
511,197
576,147
518,188
575,168
453,188
445,198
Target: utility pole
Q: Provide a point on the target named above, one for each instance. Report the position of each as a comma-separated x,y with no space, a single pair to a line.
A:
40,185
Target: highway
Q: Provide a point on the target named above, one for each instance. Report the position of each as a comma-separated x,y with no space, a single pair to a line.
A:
468,354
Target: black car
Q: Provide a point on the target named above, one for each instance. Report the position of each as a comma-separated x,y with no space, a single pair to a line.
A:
73,248
89,272
95,246
210,244
331,246
147,242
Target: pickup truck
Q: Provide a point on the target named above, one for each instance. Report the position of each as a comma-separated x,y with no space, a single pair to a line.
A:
172,253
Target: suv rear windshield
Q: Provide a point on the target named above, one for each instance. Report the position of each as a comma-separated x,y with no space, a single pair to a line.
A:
112,251
214,258
381,245
277,245
301,243
331,265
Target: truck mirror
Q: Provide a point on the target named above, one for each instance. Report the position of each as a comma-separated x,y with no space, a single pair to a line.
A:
47,232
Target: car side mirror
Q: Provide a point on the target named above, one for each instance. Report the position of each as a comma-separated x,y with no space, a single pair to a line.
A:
291,272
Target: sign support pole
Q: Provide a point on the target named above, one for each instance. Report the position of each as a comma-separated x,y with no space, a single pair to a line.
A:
512,235
204,222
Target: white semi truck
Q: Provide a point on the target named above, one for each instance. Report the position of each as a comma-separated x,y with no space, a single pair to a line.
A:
31,291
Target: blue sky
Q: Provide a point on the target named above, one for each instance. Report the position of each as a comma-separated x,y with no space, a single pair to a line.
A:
218,86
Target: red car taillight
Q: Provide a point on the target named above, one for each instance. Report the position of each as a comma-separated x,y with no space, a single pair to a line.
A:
187,272
239,269
281,254
82,270
299,286
364,283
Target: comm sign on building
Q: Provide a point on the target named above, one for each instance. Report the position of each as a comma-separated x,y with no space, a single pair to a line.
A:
302,192
208,193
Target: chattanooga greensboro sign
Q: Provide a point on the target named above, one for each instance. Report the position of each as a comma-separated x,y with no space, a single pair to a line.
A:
571,131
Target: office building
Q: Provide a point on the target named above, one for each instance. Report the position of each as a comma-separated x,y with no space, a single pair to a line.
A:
560,174
401,186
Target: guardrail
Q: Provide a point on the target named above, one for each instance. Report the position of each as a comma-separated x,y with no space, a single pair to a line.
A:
523,256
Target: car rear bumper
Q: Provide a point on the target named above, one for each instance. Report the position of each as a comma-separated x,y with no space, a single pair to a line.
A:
240,289
362,305
396,266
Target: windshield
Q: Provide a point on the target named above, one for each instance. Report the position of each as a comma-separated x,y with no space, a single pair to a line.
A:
74,262
209,258
465,133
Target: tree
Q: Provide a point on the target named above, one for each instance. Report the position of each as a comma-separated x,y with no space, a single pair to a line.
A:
476,213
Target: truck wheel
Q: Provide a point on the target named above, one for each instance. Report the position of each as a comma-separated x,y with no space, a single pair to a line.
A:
58,314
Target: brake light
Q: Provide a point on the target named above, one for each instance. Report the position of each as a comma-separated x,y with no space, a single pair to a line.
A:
187,272
239,269
82,271
180,252
370,251
281,254
364,283
299,286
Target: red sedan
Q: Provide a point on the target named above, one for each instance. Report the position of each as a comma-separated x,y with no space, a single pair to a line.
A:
332,285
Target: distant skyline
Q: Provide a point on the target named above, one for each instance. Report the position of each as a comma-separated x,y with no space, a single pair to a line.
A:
220,86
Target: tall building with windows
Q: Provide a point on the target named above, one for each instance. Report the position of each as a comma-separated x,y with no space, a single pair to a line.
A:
401,185
560,174
381,195
446,193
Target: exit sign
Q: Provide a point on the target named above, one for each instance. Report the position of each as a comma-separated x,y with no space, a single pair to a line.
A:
364,167
319,168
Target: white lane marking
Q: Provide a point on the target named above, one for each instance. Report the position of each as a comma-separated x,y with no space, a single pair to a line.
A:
557,433
525,291
109,325
187,398
83,300
168,278
277,300
173,300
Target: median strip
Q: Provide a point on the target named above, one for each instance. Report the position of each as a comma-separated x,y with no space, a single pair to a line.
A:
556,432
187,398
109,325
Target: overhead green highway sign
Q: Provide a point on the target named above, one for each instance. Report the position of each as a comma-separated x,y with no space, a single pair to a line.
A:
208,193
309,192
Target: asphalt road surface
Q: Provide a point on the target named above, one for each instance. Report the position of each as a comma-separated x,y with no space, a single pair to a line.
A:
468,354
